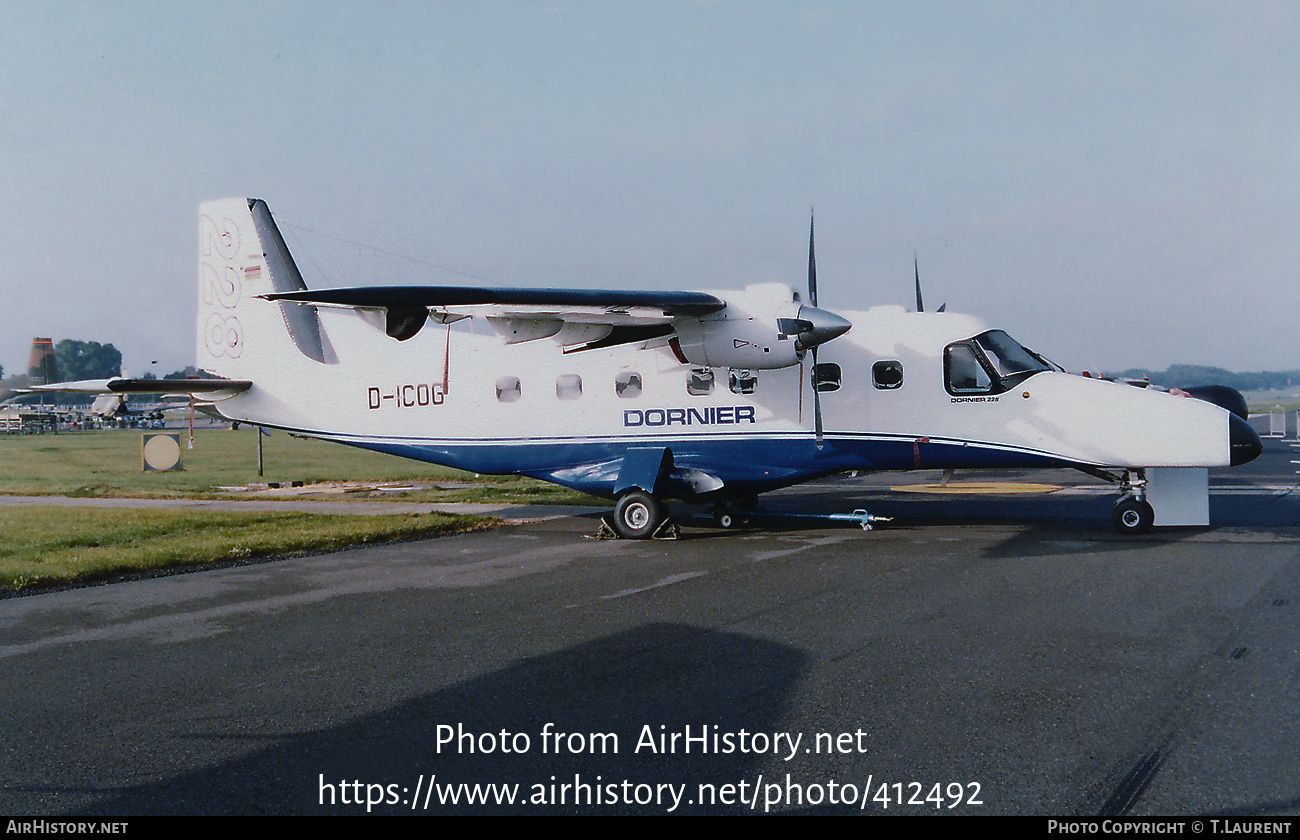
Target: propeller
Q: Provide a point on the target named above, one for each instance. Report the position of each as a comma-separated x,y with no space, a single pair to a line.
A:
812,300
810,328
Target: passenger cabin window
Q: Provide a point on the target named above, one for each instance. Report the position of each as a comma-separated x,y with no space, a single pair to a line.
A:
742,381
887,375
699,382
568,386
826,377
508,389
627,384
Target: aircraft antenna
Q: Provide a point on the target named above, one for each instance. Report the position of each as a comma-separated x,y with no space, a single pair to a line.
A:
417,260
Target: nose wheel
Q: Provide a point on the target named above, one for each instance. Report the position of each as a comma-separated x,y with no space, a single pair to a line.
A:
1133,516
1133,513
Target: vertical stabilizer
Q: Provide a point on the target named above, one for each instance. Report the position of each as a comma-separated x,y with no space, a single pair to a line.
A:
242,255
41,366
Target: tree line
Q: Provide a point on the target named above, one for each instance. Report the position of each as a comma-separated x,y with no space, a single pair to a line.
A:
1190,376
71,361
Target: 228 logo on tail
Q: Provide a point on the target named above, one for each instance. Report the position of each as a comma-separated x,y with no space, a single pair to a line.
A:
406,396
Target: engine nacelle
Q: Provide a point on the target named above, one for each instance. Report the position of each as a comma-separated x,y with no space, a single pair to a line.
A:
763,329
743,343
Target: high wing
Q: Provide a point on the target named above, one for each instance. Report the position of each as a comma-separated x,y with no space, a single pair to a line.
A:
578,319
762,327
656,305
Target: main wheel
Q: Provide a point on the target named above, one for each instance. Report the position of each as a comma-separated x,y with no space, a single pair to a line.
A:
1132,516
637,514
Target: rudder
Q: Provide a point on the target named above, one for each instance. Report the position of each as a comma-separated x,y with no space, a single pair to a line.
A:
242,255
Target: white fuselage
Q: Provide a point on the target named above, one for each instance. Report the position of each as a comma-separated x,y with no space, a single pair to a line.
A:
470,389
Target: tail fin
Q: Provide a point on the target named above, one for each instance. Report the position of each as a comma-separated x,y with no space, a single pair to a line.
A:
41,366
242,255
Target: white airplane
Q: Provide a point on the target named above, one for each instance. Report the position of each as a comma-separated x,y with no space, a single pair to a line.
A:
637,396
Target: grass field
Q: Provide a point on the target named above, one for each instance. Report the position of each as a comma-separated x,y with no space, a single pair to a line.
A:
1262,402
107,464
44,546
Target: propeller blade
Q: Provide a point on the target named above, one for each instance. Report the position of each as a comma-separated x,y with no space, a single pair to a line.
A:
817,402
917,270
812,266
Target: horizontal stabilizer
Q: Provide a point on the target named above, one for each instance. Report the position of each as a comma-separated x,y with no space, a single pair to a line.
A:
375,297
118,385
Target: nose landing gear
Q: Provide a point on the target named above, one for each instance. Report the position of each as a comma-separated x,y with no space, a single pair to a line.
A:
1133,513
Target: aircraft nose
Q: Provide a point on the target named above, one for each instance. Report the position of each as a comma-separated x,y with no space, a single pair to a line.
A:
1244,444
820,326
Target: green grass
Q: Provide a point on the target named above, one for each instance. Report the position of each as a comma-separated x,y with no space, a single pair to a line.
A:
1262,402
107,464
50,546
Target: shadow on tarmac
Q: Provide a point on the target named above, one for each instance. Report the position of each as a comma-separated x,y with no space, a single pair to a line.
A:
627,684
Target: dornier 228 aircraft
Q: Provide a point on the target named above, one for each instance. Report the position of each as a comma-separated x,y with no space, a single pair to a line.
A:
641,396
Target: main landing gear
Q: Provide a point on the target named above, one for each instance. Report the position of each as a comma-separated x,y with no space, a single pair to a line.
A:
638,515
1133,513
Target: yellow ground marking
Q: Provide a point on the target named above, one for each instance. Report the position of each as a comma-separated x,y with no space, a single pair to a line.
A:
977,487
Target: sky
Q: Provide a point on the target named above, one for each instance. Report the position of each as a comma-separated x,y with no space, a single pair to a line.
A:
1116,184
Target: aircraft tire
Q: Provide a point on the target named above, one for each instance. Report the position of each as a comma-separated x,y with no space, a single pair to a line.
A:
637,515
1132,516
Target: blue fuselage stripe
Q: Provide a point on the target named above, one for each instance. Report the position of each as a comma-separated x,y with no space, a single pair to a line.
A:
746,464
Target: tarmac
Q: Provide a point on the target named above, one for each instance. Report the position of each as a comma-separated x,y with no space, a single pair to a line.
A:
989,652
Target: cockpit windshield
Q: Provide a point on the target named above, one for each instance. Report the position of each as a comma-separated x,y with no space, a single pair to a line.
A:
1007,356
989,363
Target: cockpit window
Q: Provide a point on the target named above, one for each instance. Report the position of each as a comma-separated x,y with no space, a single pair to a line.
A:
964,372
989,363
1051,365
1007,356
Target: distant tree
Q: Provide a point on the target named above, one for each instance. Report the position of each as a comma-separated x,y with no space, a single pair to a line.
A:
8,386
87,360
1188,376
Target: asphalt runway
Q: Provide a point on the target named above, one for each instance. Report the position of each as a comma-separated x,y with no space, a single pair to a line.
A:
986,654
